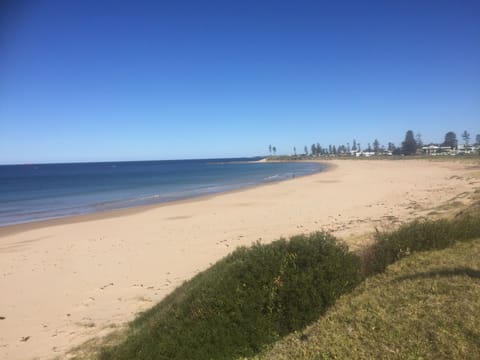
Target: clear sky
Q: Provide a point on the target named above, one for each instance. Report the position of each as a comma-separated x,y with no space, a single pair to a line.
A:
133,80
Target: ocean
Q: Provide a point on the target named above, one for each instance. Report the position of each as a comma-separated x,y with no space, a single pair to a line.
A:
31,193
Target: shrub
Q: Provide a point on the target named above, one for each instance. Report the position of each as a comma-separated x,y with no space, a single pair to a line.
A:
245,301
419,235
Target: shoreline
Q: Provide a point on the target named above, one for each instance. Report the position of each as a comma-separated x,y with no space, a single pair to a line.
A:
67,281
10,229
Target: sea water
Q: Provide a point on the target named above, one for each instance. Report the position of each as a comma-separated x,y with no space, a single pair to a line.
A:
44,191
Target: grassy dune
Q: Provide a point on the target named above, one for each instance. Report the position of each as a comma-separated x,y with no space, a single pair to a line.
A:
424,306
251,298
403,297
421,304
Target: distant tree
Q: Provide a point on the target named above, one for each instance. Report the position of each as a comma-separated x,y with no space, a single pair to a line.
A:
359,147
466,137
369,148
354,146
334,150
376,146
274,149
418,139
450,139
348,147
295,151
329,149
477,139
270,149
313,150
319,149
306,150
397,151
409,145
391,146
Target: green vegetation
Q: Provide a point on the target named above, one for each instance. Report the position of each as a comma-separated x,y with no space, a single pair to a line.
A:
258,295
423,307
409,145
450,139
420,235
247,300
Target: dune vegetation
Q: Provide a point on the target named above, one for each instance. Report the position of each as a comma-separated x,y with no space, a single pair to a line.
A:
424,306
251,298
259,301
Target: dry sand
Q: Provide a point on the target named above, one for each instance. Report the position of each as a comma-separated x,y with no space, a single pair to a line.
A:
65,281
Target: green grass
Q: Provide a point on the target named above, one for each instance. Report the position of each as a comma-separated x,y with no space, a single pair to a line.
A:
425,306
249,299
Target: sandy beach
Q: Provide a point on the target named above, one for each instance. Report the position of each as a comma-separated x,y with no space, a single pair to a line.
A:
65,281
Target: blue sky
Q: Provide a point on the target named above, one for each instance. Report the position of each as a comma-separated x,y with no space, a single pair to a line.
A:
133,80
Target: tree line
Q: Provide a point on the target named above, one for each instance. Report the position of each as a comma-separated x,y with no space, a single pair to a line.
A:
409,146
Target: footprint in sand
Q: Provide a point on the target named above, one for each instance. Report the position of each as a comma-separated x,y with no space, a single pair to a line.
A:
105,286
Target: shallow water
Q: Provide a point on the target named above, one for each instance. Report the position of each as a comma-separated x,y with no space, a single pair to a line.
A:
38,192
